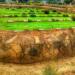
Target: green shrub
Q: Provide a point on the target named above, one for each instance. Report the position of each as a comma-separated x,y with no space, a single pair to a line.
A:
73,18
49,71
15,15
59,12
46,11
54,20
32,15
24,15
31,10
29,20
54,11
13,9
10,15
65,15
7,8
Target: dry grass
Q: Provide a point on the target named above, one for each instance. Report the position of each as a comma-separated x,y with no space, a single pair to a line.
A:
64,66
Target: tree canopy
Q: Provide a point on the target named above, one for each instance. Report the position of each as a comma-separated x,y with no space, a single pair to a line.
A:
68,1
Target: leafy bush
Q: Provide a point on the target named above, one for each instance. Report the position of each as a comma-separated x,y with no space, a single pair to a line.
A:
54,11
13,9
46,11
31,10
7,8
49,71
59,12
53,20
15,15
32,15
24,15
29,20
73,18
10,15
65,15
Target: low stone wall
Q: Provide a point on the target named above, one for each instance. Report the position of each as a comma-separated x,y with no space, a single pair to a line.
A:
35,46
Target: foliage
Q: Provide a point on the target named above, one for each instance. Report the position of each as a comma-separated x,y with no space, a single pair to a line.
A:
73,18
24,15
49,71
54,11
15,15
65,15
32,15
29,20
68,1
43,21
46,12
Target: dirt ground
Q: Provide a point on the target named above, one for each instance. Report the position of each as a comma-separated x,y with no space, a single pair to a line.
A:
62,8
62,66
58,42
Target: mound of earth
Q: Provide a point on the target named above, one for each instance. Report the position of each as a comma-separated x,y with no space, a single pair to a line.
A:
35,46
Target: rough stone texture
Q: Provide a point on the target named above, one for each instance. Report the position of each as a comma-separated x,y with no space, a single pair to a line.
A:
34,46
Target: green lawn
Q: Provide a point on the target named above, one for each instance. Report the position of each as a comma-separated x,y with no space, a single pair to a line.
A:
36,25
6,19
13,19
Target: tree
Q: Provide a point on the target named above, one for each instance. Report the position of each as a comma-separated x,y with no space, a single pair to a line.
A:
51,1
22,1
16,1
68,1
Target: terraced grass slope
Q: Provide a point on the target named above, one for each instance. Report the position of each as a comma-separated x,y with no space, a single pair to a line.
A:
34,19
